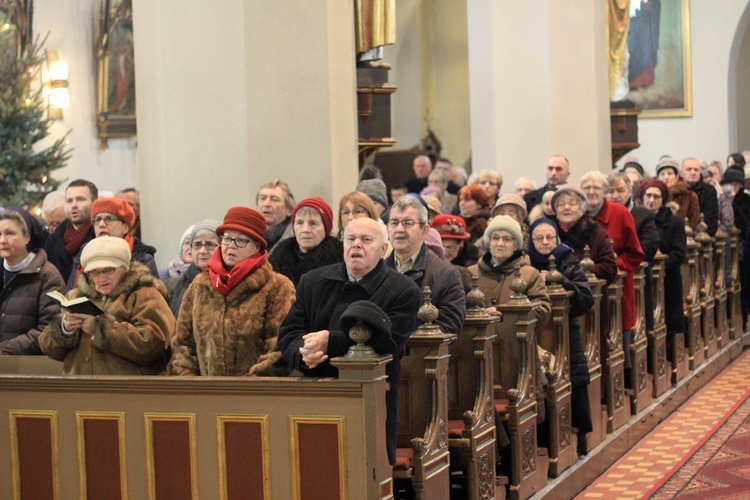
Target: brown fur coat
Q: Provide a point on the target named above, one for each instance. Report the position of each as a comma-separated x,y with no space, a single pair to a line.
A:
684,203
234,334
131,338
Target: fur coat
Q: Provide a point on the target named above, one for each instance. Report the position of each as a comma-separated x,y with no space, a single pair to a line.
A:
233,334
684,203
287,259
130,338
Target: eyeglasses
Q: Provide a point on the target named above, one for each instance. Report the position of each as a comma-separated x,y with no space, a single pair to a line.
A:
107,271
108,219
208,245
407,223
239,242
506,240
545,237
656,196
566,204
52,226
357,212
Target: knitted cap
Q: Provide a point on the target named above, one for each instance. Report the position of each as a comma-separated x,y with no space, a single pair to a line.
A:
375,189
323,208
668,162
657,184
511,199
434,243
204,225
569,189
504,223
247,221
115,206
106,251
451,227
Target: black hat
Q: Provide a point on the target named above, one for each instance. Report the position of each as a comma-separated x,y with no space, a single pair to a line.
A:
374,317
733,175
636,166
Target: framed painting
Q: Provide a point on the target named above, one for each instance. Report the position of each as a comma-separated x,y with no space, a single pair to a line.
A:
115,71
15,30
659,58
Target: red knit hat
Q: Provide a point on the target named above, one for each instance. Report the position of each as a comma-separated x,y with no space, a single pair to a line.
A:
323,208
115,206
247,221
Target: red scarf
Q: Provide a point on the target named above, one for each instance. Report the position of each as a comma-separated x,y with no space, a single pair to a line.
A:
224,281
74,238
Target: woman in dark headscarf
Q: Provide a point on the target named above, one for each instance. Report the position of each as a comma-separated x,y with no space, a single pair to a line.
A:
543,242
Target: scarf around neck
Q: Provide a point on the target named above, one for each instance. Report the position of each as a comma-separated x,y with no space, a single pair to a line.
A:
74,238
224,281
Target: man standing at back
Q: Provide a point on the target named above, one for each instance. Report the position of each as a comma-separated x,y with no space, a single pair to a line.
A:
558,170
690,170
68,239
422,167
276,202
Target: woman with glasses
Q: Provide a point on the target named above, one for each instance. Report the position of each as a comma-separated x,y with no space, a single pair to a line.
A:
312,246
490,181
230,315
201,242
131,335
544,242
577,230
25,308
355,205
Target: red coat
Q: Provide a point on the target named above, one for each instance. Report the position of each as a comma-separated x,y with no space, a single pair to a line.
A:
617,220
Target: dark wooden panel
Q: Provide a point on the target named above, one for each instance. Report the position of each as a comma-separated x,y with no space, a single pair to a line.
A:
319,461
35,457
243,442
171,441
102,451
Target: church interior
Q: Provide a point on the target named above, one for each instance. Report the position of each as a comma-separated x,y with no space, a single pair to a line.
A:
235,93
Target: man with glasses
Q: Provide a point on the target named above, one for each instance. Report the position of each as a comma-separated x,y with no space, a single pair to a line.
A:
66,242
558,171
407,230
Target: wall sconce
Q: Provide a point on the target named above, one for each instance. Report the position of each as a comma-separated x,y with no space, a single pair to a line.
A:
55,81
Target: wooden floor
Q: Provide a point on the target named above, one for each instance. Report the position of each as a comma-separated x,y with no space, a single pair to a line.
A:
653,459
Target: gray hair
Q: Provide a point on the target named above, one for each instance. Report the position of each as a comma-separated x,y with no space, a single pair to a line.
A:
596,176
441,173
52,202
413,202
616,177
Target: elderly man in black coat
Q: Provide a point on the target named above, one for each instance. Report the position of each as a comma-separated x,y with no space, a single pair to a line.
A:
707,198
311,333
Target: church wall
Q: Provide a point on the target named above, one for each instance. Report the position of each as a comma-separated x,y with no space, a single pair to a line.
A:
742,102
70,24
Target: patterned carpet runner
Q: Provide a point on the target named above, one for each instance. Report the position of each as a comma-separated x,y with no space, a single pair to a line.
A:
702,450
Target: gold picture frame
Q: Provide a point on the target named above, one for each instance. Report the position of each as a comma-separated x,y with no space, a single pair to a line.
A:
16,34
115,72
661,88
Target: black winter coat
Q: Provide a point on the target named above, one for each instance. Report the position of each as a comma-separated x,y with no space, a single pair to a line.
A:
58,257
674,246
322,297
26,309
287,259
447,288
648,236
709,205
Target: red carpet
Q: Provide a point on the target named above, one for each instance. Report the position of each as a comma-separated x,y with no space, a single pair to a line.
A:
719,467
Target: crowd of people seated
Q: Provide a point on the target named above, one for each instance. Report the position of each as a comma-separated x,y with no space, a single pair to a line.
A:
263,291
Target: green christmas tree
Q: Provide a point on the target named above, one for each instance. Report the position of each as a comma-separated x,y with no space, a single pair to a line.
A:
25,173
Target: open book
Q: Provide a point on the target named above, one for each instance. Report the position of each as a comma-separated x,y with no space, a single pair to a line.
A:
79,305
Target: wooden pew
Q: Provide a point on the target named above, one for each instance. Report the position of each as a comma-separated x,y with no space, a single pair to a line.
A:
720,290
422,467
590,326
706,274
661,371
618,406
515,379
182,437
555,338
734,302
471,411
640,383
691,291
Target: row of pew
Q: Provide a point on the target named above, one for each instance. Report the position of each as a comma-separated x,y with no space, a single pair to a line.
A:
462,394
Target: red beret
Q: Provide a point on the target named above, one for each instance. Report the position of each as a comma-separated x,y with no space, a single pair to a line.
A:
323,208
247,221
115,206
657,184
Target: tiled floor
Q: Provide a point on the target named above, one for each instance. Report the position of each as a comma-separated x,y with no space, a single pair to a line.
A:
674,440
